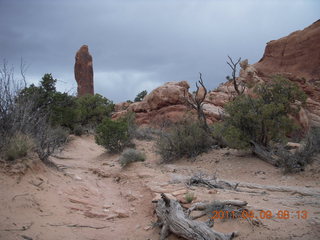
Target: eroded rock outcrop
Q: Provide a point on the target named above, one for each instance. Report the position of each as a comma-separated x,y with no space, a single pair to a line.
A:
166,102
83,71
296,56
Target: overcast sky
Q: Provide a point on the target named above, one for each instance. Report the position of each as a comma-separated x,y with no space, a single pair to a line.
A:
141,44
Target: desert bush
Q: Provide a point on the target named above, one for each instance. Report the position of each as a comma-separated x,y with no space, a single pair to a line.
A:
48,140
265,117
187,139
78,130
140,96
294,162
130,120
64,111
146,133
131,155
229,136
93,109
18,146
25,111
113,135
189,197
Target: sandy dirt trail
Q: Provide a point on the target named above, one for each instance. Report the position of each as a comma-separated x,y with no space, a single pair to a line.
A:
93,198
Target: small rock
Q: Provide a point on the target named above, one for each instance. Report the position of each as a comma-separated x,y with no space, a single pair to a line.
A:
90,214
147,228
212,191
112,216
76,177
130,197
145,174
158,197
121,213
292,145
133,209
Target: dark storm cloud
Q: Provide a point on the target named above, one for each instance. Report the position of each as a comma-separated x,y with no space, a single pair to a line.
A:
138,44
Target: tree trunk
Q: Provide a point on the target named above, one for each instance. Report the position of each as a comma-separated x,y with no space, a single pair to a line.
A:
174,220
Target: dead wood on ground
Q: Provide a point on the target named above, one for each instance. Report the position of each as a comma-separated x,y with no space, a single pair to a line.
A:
173,219
199,180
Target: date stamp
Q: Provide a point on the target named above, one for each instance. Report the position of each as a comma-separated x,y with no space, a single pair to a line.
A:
250,214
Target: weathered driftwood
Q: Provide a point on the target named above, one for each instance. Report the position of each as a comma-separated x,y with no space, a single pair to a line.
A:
198,180
173,219
288,161
265,154
203,206
242,186
235,206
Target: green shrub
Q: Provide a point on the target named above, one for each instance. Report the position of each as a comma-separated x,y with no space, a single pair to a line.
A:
130,119
263,118
229,136
189,197
78,130
187,139
64,110
113,135
26,119
131,155
145,133
93,109
140,96
18,146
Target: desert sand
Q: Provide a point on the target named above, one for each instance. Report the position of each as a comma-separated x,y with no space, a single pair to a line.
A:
92,197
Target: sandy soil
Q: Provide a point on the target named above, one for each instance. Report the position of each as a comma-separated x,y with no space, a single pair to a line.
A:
93,198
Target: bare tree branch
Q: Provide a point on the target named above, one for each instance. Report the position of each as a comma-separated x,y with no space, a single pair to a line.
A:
233,65
196,102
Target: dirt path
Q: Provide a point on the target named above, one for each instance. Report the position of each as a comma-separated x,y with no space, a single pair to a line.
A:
95,199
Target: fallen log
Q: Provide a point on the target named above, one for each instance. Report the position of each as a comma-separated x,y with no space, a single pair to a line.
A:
265,154
242,186
173,219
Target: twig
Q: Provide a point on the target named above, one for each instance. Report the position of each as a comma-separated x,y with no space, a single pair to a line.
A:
19,195
23,228
76,226
26,237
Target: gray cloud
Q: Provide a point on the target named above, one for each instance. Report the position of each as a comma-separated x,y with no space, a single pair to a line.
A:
140,44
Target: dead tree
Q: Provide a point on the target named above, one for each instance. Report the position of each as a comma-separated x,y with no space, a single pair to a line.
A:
196,102
233,65
173,219
290,162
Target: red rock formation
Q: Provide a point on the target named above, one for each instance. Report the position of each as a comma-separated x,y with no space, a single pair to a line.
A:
83,71
163,103
297,54
166,103
297,57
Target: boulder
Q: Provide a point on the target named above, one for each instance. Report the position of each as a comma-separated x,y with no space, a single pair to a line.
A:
171,93
165,103
83,71
121,106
